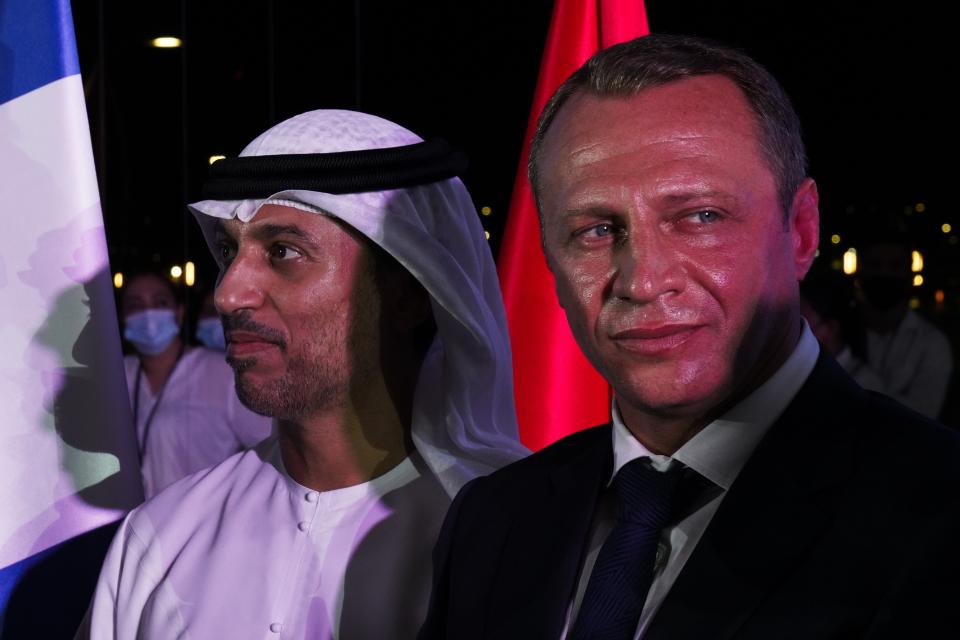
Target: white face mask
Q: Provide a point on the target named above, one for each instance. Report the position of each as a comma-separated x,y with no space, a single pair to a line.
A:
210,333
152,330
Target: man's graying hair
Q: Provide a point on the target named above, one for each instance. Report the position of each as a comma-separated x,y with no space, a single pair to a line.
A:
626,69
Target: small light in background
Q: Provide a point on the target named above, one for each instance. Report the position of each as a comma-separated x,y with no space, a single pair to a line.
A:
836,265
176,271
919,207
939,296
914,303
917,280
189,274
486,211
916,262
835,239
486,234
816,253
946,228
213,159
850,261
118,280
166,42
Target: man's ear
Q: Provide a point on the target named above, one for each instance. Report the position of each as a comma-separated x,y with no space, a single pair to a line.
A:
804,226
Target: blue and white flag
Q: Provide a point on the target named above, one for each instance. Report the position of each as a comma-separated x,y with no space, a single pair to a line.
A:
67,450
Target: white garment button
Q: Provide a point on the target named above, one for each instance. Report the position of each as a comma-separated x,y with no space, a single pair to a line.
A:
303,526
313,496
276,627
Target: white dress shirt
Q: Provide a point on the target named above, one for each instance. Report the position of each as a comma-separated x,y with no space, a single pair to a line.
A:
243,551
198,423
718,452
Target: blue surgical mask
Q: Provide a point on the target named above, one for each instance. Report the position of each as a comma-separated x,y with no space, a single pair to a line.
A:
151,331
210,333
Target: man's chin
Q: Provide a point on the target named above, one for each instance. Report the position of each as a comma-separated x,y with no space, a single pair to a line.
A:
671,393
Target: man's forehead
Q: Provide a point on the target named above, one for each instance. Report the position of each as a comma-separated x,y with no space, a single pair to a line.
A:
273,219
707,100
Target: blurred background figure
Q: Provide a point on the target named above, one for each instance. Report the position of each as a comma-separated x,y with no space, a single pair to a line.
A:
829,306
185,408
912,357
209,331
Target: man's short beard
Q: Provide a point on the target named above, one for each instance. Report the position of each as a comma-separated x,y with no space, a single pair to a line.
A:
322,372
307,387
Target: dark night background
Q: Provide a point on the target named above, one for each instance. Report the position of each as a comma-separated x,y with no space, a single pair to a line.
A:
872,88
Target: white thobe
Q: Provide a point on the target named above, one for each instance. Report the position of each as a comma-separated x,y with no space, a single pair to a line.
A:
198,423
242,551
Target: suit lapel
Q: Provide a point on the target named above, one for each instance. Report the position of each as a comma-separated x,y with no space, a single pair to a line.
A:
541,558
770,518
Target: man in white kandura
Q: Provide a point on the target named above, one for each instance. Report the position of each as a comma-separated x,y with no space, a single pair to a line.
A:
362,312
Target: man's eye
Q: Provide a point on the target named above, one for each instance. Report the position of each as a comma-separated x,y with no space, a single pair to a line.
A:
599,230
283,252
224,252
706,216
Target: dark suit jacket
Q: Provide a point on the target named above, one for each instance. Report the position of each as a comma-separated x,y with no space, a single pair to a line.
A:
844,523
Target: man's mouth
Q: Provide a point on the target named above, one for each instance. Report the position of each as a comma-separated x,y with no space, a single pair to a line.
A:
653,340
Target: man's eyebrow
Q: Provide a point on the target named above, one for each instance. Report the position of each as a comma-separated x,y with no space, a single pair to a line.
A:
268,230
684,197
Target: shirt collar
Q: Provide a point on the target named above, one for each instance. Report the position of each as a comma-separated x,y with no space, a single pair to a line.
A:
721,449
402,474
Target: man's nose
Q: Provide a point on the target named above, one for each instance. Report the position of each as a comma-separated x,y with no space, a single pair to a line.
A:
239,287
646,267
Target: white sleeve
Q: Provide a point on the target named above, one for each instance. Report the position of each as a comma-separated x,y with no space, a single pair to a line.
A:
128,583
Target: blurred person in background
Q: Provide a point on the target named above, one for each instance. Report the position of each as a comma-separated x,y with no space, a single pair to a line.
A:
185,408
209,330
829,308
911,356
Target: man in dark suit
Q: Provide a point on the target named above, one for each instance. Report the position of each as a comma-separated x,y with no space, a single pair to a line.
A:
746,487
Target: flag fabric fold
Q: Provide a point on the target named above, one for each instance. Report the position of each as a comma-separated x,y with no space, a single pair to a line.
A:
67,450
557,391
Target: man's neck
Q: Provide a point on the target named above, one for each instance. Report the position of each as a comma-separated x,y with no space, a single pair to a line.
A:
663,433
158,367
349,444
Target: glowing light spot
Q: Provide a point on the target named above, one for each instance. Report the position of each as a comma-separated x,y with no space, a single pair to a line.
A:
176,271
486,234
189,274
166,42
486,211
939,296
835,238
916,262
946,228
917,280
850,261
118,280
919,207
213,159
914,303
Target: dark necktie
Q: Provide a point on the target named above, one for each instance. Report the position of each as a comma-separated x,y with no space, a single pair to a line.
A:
623,572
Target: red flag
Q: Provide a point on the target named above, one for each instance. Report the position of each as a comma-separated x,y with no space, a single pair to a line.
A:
557,390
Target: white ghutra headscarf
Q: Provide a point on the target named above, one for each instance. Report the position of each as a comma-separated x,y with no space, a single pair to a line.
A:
464,424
